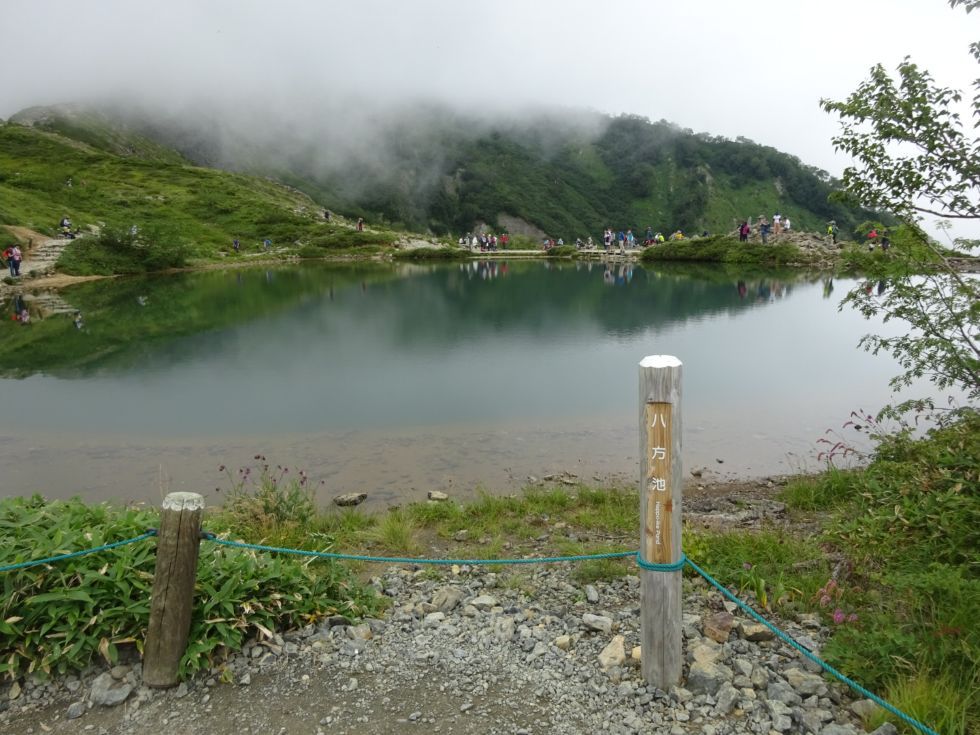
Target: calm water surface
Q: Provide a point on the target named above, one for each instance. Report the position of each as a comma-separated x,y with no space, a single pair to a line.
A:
396,380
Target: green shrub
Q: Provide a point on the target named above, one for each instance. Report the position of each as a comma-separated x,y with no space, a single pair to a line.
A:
563,251
725,249
433,254
60,617
126,249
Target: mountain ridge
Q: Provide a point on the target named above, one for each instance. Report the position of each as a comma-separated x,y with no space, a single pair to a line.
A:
563,175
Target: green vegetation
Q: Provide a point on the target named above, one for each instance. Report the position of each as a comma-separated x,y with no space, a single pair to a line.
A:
431,254
568,177
908,529
726,249
123,250
180,212
61,617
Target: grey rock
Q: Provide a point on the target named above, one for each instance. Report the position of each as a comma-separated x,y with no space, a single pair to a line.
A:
864,708
886,729
437,496
348,499
484,602
503,629
591,594
755,632
614,654
598,623
835,729
759,677
360,632
782,716
725,699
75,710
778,691
706,678
434,620
804,683
447,598
107,692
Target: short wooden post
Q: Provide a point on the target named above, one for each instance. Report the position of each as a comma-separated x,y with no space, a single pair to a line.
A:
661,479
172,600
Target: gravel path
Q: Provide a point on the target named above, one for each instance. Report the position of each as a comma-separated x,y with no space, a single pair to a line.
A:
467,651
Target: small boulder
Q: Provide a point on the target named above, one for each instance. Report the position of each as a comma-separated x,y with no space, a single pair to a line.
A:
438,496
107,692
484,602
718,626
599,623
349,499
614,654
447,598
75,710
755,632
706,678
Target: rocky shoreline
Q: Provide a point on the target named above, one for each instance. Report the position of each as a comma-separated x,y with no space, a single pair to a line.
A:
466,650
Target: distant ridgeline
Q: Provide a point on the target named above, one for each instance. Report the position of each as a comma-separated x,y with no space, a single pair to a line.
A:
562,175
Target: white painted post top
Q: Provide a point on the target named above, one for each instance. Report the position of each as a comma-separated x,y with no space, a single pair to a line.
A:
660,361
183,501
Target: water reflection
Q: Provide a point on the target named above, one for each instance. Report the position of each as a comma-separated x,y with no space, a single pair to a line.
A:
505,366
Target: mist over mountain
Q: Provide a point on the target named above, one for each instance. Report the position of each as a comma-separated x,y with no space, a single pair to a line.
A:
433,167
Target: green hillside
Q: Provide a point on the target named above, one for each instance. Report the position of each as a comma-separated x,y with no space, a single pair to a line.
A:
433,171
572,183
107,182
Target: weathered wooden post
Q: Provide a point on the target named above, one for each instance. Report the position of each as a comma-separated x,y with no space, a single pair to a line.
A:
661,480
172,600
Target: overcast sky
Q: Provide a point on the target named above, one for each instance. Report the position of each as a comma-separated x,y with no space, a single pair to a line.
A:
755,68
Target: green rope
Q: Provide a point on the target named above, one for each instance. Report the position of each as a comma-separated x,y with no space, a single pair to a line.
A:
650,566
788,639
674,567
402,560
74,554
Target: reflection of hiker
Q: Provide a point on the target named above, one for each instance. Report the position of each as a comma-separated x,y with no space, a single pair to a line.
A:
77,321
742,289
21,314
236,245
828,287
266,244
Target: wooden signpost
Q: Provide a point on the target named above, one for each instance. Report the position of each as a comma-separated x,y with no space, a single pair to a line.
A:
172,599
660,513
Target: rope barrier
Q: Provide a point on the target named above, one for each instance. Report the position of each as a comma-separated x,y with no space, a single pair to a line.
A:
789,640
402,560
61,557
641,562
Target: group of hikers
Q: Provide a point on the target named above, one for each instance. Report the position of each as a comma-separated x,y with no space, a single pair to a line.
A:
779,225
484,242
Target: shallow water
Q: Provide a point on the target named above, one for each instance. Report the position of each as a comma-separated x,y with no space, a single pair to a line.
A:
399,379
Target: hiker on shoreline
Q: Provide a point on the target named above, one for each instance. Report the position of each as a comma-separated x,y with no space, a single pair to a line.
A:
13,257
